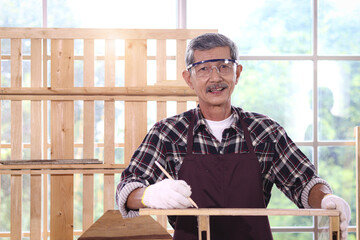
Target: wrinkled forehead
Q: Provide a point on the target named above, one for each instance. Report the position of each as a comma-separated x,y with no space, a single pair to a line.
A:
214,53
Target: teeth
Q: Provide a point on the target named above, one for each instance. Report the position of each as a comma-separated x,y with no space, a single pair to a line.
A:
217,89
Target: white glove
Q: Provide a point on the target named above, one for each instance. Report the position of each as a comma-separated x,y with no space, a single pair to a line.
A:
167,194
335,202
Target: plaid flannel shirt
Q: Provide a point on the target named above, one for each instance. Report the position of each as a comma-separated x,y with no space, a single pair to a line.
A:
281,161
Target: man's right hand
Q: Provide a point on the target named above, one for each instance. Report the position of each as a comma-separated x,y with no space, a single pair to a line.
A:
167,194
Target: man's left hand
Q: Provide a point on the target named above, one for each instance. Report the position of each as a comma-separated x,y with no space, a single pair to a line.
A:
334,202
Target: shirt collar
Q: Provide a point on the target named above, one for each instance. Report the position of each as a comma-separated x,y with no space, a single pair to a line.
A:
201,123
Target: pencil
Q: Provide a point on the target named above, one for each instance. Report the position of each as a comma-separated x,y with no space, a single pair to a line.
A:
169,176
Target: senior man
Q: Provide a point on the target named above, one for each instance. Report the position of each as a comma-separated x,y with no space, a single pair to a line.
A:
221,156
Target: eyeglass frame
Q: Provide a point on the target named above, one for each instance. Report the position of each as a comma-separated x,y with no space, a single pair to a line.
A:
226,60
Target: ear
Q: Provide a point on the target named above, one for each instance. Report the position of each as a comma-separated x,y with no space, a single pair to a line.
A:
187,77
238,72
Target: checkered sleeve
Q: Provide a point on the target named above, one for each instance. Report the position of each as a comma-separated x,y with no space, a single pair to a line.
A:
295,175
140,172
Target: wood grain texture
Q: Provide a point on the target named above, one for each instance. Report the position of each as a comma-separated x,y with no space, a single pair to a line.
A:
36,141
62,140
89,135
112,226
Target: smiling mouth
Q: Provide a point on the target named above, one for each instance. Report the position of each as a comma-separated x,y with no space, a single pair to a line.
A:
216,87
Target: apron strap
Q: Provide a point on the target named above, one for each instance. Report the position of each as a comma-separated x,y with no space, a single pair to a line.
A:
247,135
190,138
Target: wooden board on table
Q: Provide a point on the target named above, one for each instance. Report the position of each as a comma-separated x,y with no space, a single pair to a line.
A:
112,226
239,212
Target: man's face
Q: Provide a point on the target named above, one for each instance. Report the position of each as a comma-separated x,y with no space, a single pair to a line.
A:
214,88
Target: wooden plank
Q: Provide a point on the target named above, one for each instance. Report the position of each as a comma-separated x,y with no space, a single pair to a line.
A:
89,135
88,33
204,227
135,76
35,206
135,63
112,226
88,200
161,110
16,139
181,107
103,91
62,166
109,125
160,60
36,142
135,127
62,140
46,103
180,60
50,162
109,153
240,212
334,228
16,63
16,206
357,153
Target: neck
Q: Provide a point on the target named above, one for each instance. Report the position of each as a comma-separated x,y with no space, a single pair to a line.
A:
216,113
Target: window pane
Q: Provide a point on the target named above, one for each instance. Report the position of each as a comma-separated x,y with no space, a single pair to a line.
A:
337,167
279,89
258,27
339,99
19,13
339,28
298,236
280,201
112,13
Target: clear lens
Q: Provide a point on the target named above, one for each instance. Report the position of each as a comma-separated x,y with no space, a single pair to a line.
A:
222,67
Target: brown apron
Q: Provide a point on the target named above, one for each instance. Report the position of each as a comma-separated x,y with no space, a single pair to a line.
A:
224,181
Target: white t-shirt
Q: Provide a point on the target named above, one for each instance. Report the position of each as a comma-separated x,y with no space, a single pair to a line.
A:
217,127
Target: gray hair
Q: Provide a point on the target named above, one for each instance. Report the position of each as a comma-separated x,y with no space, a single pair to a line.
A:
209,41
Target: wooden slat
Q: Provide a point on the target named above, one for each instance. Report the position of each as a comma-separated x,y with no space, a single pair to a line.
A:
62,140
103,91
180,60
16,139
16,206
181,107
160,60
87,33
135,76
62,166
161,110
36,142
109,125
45,210
99,98
334,228
89,117
135,63
357,153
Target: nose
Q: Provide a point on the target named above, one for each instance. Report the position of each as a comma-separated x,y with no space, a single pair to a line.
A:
215,74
